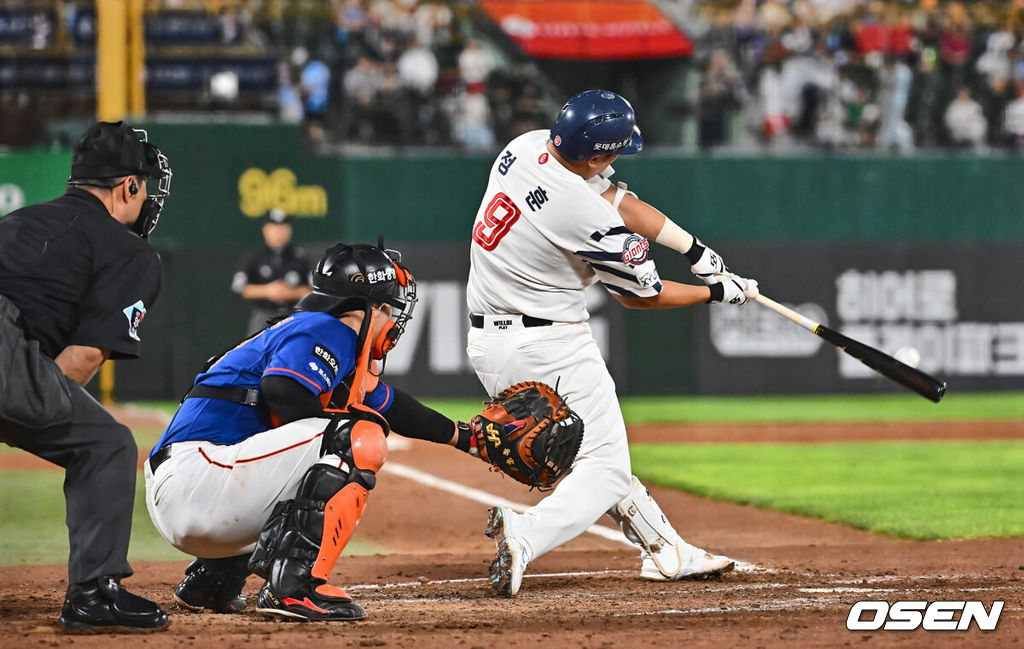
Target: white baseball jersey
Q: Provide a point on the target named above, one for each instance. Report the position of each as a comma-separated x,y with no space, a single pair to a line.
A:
543,234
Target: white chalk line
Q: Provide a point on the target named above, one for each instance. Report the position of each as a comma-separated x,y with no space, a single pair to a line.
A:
486,498
483,497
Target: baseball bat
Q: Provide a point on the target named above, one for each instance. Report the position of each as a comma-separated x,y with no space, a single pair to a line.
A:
920,382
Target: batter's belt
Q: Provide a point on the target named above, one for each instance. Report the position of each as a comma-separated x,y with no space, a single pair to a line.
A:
478,321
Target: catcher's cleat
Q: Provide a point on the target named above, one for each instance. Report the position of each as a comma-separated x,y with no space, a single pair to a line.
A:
508,567
693,563
206,589
102,605
317,603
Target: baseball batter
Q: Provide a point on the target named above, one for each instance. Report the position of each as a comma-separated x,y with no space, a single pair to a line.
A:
551,224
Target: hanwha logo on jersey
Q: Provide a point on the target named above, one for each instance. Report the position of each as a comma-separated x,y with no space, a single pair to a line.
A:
635,250
357,278
558,140
543,157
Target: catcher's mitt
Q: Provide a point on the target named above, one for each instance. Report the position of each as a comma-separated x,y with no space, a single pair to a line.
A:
528,432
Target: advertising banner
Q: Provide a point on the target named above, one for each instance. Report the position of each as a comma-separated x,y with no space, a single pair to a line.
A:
953,302
589,29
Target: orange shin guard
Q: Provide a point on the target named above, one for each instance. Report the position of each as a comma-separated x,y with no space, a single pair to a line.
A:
343,510
341,515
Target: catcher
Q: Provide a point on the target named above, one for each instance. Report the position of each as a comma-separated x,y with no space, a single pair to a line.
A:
267,465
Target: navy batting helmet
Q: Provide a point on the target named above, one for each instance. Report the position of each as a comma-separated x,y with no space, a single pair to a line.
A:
596,122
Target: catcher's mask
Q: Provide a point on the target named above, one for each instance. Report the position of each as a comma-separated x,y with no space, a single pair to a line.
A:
109,150
359,276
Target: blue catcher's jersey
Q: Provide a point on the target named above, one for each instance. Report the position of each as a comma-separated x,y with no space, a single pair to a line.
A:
314,349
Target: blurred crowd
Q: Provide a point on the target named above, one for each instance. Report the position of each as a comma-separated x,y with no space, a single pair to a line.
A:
404,72
888,75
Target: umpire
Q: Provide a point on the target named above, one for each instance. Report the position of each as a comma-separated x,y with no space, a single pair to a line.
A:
76,278
275,276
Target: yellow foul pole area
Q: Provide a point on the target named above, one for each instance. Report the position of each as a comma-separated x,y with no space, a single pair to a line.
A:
120,89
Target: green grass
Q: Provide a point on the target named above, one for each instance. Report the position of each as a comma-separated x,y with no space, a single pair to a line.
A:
919,490
32,529
956,406
963,406
926,490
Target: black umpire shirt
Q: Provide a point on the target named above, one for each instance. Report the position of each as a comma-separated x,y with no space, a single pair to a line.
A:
265,265
77,275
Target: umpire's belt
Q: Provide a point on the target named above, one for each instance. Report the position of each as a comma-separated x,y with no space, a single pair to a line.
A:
506,322
242,396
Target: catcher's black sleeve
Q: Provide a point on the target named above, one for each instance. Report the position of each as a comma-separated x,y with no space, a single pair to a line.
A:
289,400
410,418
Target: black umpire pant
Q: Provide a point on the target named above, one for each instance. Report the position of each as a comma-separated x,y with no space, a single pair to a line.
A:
98,454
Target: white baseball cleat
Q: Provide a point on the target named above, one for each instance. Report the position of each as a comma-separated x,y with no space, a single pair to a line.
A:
498,522
508,567
683,561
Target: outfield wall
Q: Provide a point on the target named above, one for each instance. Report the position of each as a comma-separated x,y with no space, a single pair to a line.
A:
817,231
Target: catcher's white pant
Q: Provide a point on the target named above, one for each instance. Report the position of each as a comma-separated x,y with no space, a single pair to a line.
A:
211,500
565,355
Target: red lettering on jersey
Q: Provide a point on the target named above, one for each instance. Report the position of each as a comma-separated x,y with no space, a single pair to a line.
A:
543,158
499,217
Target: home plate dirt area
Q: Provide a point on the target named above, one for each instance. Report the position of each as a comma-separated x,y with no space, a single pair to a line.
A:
794,588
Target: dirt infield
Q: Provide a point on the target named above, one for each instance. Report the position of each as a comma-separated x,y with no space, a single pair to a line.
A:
795,590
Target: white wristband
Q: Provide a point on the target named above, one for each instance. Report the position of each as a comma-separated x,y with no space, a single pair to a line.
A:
673,236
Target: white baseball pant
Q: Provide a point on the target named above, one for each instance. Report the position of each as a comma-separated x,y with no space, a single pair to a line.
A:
211,500
565,355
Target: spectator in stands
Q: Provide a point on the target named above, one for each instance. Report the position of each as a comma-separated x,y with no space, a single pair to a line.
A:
955,43
896,132
965,121
417,69
350,19
432,23
289,104
1013,120
473,113
475,64
720,92
473,121
830,132
995,63
314,87
361,85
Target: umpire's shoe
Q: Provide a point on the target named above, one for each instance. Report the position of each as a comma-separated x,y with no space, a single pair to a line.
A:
103,605
312,602
214,584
